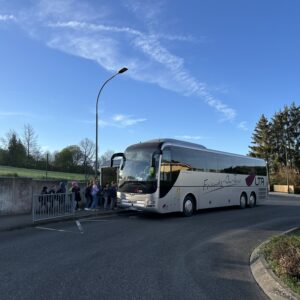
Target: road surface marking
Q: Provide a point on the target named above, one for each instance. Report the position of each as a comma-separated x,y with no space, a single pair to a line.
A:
93,220
79,226
53,229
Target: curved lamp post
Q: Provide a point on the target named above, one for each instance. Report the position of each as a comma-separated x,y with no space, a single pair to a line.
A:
119,72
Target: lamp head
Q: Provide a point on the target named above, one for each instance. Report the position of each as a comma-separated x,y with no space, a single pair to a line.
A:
122,70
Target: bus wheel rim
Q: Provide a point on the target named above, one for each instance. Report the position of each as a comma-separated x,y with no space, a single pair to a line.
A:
251,200
188,206
243,201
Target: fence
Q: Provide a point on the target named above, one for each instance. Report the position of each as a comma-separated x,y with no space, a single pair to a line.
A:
49,206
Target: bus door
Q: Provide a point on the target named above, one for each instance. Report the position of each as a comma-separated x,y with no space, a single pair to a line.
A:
166,192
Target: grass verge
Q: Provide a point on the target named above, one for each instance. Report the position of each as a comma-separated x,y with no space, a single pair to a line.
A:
282,253
38,174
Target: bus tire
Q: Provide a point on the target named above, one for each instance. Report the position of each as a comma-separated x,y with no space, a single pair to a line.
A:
188,206
252,200
243,201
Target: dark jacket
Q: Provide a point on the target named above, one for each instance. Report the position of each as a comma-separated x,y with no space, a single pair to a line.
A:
113,192
76,190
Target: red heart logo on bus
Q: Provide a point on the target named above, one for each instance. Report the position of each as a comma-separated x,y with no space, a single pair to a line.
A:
249,180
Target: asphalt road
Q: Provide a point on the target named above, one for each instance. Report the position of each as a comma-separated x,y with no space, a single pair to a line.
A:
140,256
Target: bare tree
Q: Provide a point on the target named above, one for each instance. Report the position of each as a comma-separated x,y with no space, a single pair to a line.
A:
87,147
106,156
29,139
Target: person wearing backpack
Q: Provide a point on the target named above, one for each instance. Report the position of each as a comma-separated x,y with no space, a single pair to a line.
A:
113,195
106,195
76,190
88,195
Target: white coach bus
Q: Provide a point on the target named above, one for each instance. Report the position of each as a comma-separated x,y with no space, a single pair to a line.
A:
168,175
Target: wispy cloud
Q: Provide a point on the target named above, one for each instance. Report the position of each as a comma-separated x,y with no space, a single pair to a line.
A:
126,121
243,126
76,28
120,120
13,114
83,26
7,18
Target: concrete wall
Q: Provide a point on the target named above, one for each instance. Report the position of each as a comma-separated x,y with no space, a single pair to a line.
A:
284,188
16,193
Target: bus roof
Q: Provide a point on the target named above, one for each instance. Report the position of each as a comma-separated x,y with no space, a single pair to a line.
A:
158,143
173,142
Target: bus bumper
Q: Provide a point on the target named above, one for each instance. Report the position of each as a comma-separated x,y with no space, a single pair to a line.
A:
136,202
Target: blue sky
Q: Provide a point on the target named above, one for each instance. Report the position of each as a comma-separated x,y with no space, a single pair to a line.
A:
200,71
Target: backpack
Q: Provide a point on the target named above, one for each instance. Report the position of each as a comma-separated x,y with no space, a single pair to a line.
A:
87,192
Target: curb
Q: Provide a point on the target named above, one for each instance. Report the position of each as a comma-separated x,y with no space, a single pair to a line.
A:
57,220
279,194
265,277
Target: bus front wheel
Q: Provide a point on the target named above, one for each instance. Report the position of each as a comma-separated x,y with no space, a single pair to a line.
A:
188,206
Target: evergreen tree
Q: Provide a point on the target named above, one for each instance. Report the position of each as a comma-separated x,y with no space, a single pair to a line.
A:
261,140
16,154
278,141
294,136
278,138
3,157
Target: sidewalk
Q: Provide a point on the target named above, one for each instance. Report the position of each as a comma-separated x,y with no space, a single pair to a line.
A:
12,222
283,194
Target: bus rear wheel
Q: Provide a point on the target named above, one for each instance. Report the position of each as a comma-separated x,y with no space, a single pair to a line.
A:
243,201
188,206
252,200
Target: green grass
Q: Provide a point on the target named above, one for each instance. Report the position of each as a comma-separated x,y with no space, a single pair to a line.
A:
6,171
280,247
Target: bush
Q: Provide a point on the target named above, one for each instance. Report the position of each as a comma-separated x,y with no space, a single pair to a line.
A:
284,255
11,175
280,177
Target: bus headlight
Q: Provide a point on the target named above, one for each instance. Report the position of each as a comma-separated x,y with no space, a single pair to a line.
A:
151,203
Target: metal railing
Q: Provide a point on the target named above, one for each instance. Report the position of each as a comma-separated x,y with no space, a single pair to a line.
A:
50,206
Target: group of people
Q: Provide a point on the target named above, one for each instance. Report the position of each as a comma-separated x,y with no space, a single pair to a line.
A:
53,190
59,194
96,195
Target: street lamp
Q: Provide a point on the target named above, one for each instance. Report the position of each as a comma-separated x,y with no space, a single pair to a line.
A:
119,72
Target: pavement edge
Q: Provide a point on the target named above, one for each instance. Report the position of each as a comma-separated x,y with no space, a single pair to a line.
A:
57,220
265,277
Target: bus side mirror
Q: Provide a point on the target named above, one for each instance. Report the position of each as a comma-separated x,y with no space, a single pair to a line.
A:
117,155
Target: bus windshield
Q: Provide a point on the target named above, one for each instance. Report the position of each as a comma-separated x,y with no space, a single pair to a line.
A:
137,172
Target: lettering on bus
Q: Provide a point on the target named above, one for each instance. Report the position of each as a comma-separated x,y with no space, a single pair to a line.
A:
228,181
260,181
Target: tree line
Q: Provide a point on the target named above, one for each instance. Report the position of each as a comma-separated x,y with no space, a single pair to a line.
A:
278,142
23,151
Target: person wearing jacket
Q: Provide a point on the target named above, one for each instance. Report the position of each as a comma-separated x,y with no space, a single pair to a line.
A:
94,194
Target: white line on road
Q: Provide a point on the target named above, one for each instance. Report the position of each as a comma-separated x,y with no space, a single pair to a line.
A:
53,229
93,220
99,219
79,226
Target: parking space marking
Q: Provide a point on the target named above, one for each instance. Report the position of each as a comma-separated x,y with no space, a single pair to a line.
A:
54,229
